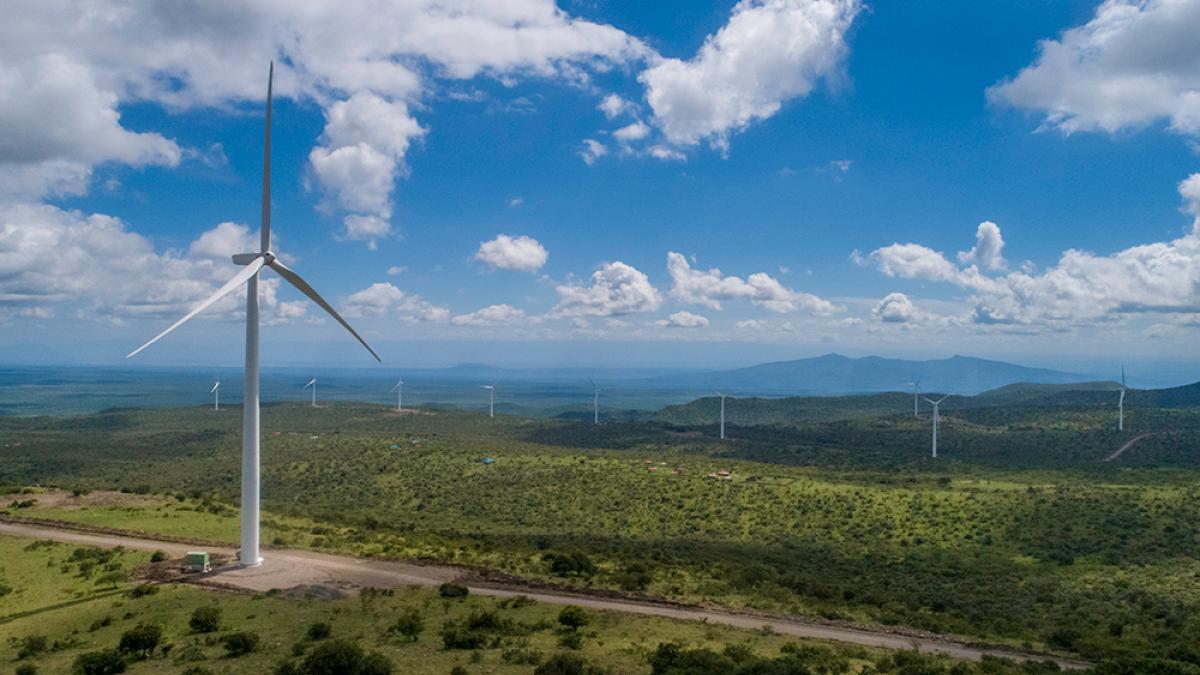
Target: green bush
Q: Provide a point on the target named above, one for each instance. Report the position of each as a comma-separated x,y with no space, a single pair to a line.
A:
197,670
573,564
26,669
32,645
568,664
450,590
319,631
408,625
104,662
205,620
158,556
573,617
140,641
342,657
142,590
240,644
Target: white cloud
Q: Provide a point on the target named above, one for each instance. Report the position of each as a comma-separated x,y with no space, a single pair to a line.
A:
752,325
592,150
633,132
224,240
666,153
1082,288
683,320
396,270
494,315
769,52
1189,189
988,252
1132,64
614,106
616,289
709,288
895,308
521,253
516,201
381,299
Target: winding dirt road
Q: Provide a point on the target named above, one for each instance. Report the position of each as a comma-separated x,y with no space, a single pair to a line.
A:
284,569
1129,444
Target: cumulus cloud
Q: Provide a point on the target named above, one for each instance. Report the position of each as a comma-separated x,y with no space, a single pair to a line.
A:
895,308
770,51
710,287
592,150
382,299
494,315
988,252
683,320
614,106
1082,287
1189,189
521,253
633,132
223,241
1132,64
616,289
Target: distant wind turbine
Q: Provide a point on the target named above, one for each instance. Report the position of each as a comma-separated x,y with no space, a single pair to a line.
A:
399,389
313,383
1121,403
937,419
722,414
492,400
595,402
253,264
216,392
916,397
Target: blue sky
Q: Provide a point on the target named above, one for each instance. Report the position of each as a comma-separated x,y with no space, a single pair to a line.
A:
833,159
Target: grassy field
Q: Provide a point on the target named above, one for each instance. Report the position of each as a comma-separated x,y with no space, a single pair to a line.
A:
77,608
1020,534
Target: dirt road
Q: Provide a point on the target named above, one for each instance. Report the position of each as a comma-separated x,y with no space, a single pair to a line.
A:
1129,444
285,569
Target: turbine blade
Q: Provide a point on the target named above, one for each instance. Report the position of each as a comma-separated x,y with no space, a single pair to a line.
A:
311,382
215,386
238,279
302,285
395,387
266,188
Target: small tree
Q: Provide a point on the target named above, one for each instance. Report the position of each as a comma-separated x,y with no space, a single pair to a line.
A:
342,657
141,641
105,662
26,669
32,645
566,664
319,631
408,625
239,644
449,590
205,620
158,556
573,617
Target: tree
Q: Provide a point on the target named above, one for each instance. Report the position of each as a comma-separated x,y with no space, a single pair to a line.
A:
319,631
105,662
240,644
566,664
449,590
140,641
573,617
342,657
408,625
205,620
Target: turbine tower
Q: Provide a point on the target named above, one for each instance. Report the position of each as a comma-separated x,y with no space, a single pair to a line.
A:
1121,403
722,414
492,400
253,264
916,397
595,402
937,419
216,392
313,383
399,389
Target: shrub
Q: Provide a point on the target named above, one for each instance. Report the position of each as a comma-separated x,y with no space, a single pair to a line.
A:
142,590
205,620
342,657
104,662
26,669
571,639
197,670
573,564
573,617
286,668
566,664
239,644
521,654
449,590
635,577
459,670
140,641
319,631
408,625
458,636
32,645
158,556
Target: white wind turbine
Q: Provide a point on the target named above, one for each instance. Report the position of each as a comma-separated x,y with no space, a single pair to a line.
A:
491,400
595,402
399,389
937,419
313,383
722,413
916,397
253,264
1121,403
216,392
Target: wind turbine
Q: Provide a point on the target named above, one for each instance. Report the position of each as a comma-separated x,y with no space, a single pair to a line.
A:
253,264
937,418
216,392
595,402
491,401
916,397
722,414
313,383
1121,403
399,389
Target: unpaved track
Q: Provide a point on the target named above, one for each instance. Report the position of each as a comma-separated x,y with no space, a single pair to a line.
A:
285,569
1129,444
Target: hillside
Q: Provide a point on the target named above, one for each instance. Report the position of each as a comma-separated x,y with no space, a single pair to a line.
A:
837,374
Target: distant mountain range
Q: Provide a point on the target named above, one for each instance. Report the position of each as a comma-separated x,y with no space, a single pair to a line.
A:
837,374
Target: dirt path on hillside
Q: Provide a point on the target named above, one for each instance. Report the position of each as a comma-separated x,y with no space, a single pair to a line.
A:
286,569
1128,444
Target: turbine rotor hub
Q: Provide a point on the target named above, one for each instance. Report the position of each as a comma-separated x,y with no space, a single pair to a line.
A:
268,257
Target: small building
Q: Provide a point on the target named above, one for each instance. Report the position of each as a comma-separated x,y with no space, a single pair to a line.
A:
196,561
